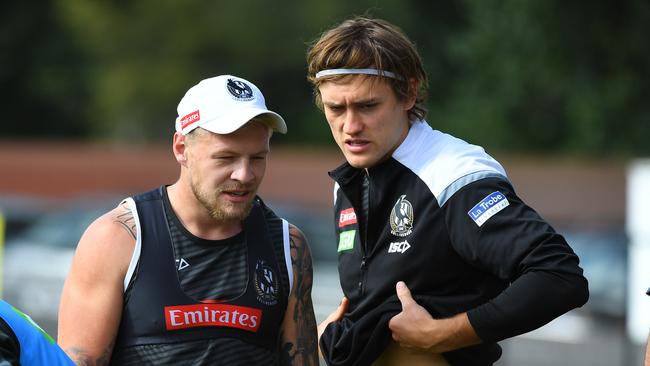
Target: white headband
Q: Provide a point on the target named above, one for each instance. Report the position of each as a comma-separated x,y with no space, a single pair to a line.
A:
329,72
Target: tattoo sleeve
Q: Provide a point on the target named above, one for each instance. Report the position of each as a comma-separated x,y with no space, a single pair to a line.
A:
82,358
305,349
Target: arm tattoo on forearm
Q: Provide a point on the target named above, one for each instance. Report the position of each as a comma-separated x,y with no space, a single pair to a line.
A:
105,358
303,313
287,354
82,358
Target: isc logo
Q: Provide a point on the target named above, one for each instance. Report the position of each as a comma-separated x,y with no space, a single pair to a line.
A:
399,247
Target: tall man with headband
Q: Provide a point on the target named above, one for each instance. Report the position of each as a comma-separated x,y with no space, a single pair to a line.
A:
439,259
200,272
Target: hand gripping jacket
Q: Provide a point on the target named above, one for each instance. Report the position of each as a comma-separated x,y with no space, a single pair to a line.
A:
444,218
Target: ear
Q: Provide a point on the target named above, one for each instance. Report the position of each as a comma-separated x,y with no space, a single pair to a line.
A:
413,94
179,148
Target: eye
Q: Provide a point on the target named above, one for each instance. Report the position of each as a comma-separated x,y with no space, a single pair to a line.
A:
335,108
223,157
369,105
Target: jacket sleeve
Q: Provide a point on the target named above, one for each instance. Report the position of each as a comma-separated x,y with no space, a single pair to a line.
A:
9,346
494,230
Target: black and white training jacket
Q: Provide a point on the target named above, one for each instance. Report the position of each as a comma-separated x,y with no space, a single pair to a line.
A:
443,217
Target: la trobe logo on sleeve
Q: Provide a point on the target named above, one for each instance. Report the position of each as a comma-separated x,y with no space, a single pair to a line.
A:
488,207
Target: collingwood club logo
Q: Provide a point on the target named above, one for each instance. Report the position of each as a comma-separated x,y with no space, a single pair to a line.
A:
266,284
401,217
240,90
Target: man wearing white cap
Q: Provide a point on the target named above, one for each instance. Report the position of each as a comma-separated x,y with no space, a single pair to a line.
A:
199,272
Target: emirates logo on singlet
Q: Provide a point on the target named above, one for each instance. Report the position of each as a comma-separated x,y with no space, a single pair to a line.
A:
212,315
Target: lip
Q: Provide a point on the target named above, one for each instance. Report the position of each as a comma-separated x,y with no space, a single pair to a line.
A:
237,196
357,146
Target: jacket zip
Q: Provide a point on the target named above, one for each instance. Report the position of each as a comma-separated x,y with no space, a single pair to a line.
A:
364,243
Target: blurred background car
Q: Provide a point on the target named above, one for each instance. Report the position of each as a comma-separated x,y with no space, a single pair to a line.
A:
20,211
603,256
37,259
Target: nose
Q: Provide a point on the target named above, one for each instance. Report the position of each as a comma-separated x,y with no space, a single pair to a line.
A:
243,172
352,123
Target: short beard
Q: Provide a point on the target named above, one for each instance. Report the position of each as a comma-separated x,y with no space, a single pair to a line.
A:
225,213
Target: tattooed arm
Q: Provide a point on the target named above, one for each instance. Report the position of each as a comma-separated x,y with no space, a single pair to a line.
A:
91,301
298,333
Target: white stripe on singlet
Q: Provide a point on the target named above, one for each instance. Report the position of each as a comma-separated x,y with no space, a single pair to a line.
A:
287,251
138,243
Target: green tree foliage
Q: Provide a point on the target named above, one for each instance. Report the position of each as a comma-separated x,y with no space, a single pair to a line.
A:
552,75
146,54
42,92
538,75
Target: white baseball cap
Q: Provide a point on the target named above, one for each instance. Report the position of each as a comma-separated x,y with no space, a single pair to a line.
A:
222,104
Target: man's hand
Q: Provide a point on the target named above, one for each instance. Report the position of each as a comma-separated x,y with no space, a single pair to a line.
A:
415,327
335,316
411,327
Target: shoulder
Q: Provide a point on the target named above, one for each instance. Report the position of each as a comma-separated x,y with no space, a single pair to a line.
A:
443,162
268,213
297,237
301,262
110,239
300,252
117,224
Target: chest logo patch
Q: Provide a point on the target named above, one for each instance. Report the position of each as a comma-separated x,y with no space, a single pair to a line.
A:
401,217
488,207
212,315
266,284
399,247
346,240
347,217
181,264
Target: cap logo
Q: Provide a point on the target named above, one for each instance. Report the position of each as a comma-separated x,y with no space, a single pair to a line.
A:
190,118
240,90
